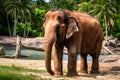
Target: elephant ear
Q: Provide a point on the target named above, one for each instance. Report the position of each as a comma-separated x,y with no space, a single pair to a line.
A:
72,27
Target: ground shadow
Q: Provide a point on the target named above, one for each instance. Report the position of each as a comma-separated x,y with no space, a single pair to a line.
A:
115,70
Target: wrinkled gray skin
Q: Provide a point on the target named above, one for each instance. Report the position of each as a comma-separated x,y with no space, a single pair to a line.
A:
79,32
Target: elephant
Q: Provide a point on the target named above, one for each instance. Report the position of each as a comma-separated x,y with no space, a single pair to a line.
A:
80,33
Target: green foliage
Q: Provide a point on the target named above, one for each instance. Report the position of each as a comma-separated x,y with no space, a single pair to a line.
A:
62,4
103,10
16,8
20,28
115,31
37,21
4,30
30,14
84,7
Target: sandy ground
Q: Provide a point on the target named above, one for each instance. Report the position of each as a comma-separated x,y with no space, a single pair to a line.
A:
109,67
109,70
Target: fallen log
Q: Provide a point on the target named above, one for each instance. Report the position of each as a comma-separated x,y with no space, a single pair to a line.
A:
65,52
107,49
32,48
38,49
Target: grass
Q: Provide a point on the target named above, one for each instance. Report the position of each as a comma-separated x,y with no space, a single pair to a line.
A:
19,73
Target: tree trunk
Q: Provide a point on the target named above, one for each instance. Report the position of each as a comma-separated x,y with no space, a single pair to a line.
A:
8,26
2,50
106,38
15,24
106,31
28,30
18,48
25,28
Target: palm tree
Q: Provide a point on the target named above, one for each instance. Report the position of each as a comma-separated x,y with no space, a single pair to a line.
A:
104,10
11,7
3,14
15,8
8,26
26,13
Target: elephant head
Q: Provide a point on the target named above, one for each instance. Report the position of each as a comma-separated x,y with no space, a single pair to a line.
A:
59,25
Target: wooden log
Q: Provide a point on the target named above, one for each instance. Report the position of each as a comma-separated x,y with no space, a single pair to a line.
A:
18,48
32,48
2,50
65,51
108,49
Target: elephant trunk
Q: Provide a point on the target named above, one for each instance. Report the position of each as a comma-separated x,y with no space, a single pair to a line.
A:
48,43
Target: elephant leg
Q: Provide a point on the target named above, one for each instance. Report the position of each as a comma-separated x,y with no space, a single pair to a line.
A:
95,65
83,64
57,56
72,60
95,57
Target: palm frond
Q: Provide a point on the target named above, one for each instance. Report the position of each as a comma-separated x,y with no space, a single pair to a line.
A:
111,21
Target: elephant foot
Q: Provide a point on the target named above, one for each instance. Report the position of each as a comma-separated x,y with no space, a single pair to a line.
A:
51,72
94,72
72,73
58,73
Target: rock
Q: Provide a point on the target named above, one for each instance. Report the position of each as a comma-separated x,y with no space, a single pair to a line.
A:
33,42
113,44
113,41
115,68
111,58
118,45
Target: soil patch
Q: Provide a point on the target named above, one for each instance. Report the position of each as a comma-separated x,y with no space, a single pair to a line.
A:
109,70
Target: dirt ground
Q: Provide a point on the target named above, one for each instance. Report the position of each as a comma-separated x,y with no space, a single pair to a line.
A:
110,70
109,67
